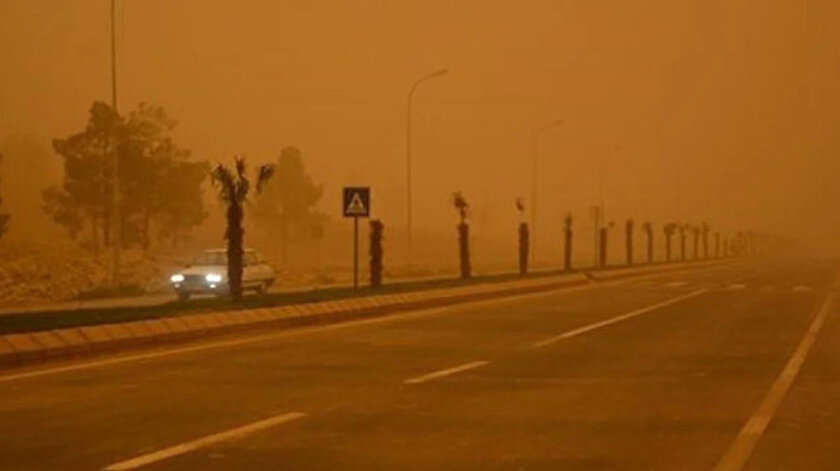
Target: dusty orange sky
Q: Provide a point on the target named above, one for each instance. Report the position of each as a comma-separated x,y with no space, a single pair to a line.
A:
697,110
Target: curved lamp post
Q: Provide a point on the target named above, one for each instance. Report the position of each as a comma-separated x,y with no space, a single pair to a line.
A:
408,154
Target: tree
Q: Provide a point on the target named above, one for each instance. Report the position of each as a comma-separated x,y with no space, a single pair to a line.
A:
4,218
704,233
695,231
648,228
287,207
376,229
717,244
160,186
603,235
567,239
158,183
84,198
463,207
524,243
683,228
669,230
233,187
628,240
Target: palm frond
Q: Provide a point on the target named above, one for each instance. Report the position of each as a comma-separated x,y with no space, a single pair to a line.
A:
240,166
224,181
265,174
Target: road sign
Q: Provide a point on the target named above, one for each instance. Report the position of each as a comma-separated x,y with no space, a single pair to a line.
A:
356,202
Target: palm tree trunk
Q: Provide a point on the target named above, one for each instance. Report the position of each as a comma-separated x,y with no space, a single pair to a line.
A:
524,248
464,249
567,252
602,261
234,248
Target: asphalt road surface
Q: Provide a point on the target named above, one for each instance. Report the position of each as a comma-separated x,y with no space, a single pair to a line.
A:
722,369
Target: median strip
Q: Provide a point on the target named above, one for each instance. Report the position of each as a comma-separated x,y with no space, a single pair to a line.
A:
616,319
210,440
446,372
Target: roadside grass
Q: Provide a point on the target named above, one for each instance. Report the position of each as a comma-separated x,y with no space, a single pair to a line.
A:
61,319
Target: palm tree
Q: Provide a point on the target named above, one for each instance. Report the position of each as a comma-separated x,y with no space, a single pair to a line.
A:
669,230
376,229
233,187
524,246
695,231
648,228
604,234
682,229
567,249
704,231
628,240
463,207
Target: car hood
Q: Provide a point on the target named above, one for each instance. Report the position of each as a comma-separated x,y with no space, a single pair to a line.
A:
204,270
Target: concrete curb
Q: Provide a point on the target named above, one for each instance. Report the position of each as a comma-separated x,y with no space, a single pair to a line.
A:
23,348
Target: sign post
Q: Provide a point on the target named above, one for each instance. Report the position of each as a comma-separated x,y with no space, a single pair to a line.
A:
356,204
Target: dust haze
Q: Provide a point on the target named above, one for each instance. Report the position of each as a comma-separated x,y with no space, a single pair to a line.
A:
718,112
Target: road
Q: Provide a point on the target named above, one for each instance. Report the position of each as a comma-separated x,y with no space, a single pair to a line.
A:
655,374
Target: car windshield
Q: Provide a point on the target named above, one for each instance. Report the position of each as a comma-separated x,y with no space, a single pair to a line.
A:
220,258
211,258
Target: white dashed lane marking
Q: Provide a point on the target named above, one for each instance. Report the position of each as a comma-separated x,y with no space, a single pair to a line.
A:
447,372
613,320
205,442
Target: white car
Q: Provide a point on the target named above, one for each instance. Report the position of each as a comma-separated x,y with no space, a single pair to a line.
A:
207,274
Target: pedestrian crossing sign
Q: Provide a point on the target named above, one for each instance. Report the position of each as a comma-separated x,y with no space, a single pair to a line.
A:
356,202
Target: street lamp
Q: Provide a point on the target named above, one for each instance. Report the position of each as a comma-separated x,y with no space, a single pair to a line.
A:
535,157
408,154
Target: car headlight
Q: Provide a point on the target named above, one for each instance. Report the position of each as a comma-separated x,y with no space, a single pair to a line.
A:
213,278
176,278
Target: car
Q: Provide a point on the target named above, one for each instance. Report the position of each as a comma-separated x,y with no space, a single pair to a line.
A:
207,274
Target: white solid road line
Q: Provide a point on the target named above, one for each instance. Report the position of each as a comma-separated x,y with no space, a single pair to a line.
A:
183,448
801,288
741,449
613,320
676,284
446,372
736,286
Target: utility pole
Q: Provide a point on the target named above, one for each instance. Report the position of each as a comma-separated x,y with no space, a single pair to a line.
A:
115,164
534,174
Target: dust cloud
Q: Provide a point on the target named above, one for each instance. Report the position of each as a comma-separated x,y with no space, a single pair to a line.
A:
722,112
